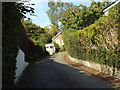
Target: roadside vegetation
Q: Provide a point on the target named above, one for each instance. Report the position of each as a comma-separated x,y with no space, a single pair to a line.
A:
87,33
62,49
12,13
38,35
98,42
57,48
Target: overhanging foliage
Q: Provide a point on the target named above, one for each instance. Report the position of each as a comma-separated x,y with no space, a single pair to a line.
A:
99,42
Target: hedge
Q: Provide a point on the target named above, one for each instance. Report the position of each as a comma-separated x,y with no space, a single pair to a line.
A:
99,42
10,27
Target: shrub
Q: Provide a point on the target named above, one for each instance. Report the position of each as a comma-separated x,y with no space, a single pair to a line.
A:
57,48
10,26
95,42
62,49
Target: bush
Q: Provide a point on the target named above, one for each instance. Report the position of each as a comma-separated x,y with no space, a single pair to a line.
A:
10,26
57,48
62,49
95,43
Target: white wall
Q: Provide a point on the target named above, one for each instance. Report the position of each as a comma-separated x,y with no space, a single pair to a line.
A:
20,65
100,67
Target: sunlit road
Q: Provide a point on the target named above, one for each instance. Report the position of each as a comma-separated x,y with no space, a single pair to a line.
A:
54,72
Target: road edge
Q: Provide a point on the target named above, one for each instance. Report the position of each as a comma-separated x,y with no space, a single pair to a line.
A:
115,82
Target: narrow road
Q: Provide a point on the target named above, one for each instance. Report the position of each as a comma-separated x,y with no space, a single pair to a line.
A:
54,72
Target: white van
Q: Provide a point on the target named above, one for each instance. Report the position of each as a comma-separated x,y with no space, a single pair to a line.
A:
50,48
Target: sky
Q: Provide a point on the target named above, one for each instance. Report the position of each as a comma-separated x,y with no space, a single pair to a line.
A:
41,6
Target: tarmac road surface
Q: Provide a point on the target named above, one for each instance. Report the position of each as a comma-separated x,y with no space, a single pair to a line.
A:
54,72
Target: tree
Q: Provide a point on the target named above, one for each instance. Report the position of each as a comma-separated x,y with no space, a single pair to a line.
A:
36,33
33,31
79,17
46,28
55,10
52,12
53,30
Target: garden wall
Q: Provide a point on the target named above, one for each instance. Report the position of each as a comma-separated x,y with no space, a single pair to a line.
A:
100,67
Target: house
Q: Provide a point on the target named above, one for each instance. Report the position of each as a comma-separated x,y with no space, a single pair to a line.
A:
58,39
105,10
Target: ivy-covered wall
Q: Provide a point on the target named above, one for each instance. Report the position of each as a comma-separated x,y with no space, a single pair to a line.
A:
14,37
99,42
10,27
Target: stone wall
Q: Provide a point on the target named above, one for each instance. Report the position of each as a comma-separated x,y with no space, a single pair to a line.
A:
111,71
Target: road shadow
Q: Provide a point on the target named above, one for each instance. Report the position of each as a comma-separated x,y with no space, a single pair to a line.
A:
50,74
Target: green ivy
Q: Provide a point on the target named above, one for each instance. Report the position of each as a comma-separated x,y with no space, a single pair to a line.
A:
10,31
57,48
82,44
12,13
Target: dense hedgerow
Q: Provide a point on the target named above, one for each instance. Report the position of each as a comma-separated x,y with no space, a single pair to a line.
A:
99,42
9,44
57,48
11,15
38,35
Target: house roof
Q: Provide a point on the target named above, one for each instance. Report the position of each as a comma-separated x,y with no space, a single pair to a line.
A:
57,35
111,5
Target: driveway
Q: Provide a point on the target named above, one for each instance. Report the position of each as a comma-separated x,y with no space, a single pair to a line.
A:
54,72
